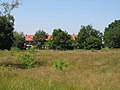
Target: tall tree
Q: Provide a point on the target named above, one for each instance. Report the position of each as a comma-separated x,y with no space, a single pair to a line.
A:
40,38
6,33
7,24
7,7
61,40
89,38
19,40
112,35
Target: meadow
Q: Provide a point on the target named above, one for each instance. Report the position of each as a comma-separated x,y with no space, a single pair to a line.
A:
86,70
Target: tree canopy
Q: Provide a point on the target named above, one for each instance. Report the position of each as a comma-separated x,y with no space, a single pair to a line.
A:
19,40
89,38
7,24
7,7
61,40
40,38
6,33
112,35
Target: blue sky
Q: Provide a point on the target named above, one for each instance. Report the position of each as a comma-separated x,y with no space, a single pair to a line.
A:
68,15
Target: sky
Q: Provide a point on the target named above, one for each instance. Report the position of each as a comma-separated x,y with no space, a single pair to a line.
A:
69,15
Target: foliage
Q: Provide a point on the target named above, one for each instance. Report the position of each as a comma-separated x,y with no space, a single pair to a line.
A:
7,23
26,60
14,50
93,50
61,40
92,43
48,44
23,56
87,71
6,33
7,7
60,65
75,44
40,38
19,40
106,49
112,35
89,38
32,50
30,63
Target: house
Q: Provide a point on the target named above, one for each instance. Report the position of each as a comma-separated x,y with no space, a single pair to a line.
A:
29,40
49,38
73,37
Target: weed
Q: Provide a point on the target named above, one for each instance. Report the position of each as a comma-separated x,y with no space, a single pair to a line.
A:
60,65
32,50
23,56
14,50
26,60
87,71
106,49
93,50
30,63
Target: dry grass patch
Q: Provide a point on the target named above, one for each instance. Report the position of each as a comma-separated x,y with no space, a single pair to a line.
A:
86,71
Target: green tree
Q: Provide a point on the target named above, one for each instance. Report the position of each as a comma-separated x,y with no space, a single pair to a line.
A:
92,43
7,7
89,38
61,40
40,38
6,33
75,44
112,35
7,24
48,44
19,40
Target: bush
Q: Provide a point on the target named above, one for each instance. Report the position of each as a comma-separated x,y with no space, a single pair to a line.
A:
30,63
92,43
60,65
106,49
14,50
26,60
32,49
93,50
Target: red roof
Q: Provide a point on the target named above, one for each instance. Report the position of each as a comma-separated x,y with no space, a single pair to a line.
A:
29,38
49,37
73,37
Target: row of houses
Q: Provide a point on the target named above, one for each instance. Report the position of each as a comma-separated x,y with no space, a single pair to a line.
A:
30,42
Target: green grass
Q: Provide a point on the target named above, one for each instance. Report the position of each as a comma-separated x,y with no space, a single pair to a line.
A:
87,70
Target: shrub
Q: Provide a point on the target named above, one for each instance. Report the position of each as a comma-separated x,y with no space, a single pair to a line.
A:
26,60
106,49
93,50
92,43
32,49
14,50
30,63
60,65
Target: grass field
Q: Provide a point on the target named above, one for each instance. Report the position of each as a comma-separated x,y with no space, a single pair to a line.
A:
87,70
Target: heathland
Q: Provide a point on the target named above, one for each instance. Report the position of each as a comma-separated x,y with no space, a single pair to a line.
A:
86,70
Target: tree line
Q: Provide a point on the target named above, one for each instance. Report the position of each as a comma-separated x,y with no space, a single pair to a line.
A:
87,37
